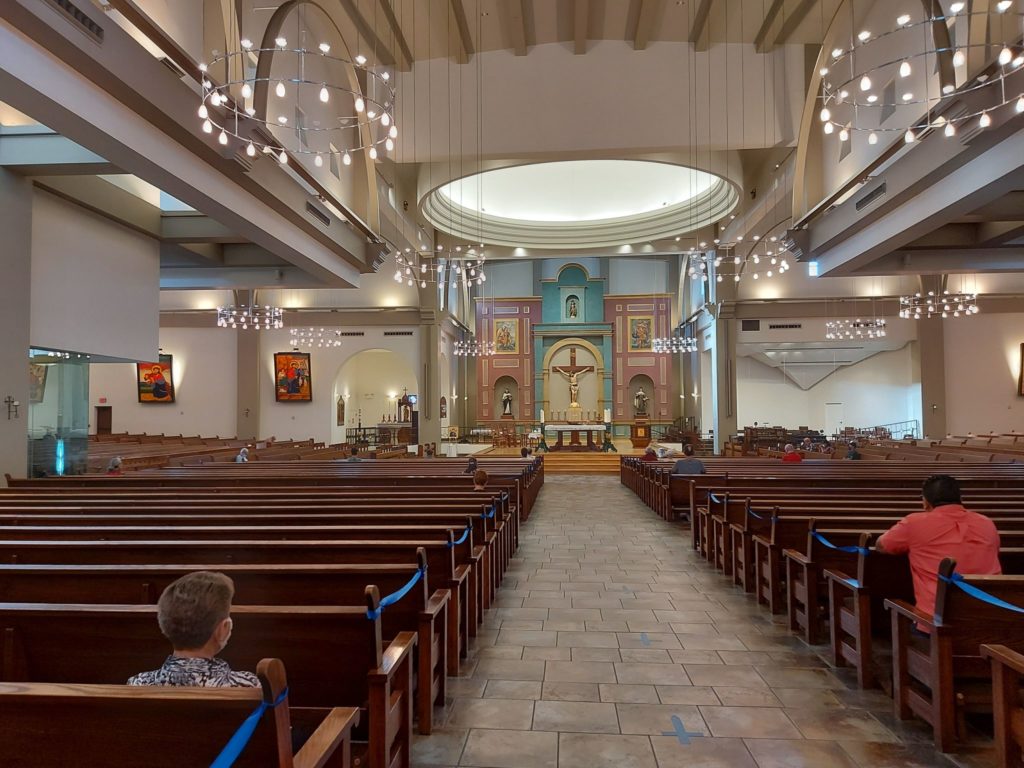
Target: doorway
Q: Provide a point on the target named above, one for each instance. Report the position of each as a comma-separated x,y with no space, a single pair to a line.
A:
833,419
104,419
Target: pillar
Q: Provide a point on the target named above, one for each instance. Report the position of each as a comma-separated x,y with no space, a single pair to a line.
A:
429,406
931,346
247,416
15,293
723,364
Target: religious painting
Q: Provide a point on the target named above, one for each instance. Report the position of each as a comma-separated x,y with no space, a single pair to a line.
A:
444,407
506,337
641,333
37,382
156,380
341,410
292,383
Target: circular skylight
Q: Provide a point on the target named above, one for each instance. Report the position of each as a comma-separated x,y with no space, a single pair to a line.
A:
578,190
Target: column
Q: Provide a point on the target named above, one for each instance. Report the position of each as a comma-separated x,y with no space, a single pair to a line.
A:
15,292
429,405
723,364
931,346
247,417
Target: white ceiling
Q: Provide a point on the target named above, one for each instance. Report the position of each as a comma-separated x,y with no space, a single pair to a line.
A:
577,190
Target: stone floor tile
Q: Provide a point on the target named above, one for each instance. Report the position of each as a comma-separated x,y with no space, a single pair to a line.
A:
501,652
783,677
511,749
440,748
711,674
701,753
570,692
740,696
643,639
651,674
580,750
535,626
576,716
466,687
513,689
491,713
546,654
606,626
748,658
654,719
749,722
877,754
645,655
629,694
827,723
687,694
810,697
556,625
524,638
711,643
695,657
579,672
588,639
777,753
501,669
596,654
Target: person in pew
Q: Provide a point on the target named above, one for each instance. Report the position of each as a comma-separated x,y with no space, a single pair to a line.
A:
480,479
524,452
806,445
852,454
194,614
242,457
689,464
944,529
114,467
354,455
792,455
649,455
470,466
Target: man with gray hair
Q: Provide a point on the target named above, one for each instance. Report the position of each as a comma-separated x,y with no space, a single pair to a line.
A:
194,614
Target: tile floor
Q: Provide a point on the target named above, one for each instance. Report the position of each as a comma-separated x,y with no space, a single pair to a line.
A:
612,645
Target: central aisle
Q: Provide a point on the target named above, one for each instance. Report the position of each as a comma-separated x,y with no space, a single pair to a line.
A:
609,633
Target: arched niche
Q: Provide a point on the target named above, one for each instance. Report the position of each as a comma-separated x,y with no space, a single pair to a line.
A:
510,383
641,380
370,382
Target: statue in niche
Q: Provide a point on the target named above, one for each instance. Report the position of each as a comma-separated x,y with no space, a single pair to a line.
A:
506,403
573,309
640,401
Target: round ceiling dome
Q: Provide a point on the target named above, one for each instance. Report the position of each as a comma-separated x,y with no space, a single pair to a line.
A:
579,203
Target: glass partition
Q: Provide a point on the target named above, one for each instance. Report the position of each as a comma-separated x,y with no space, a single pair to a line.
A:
58,413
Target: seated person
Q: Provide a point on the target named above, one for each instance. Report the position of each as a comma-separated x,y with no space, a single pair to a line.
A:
242,457
689,464
114,467
354,456
944,529
806,444
524,452
480,480
649,455
792,455
194,614
852,454
470,466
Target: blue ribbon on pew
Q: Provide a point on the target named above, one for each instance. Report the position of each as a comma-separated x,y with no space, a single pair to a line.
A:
504,495
394,597
238,741
489,513
714,498
852,550
979,594
465,534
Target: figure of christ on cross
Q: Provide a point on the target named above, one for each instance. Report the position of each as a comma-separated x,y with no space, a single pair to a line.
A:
572,373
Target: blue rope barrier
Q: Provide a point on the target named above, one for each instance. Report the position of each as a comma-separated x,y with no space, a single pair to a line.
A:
490,513
465,534
714,498
852,550
978,594
238,741
394,597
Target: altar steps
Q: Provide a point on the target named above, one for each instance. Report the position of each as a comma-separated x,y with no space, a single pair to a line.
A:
584,463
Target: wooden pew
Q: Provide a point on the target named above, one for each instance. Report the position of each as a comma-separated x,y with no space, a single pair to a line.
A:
334,656
422,610
1008,712
943,677
118,726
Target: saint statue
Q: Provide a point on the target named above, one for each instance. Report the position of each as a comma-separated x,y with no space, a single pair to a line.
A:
506,403
573,308
640,400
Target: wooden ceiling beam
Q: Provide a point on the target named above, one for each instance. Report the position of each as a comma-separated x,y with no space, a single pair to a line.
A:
466,47
794,20
646,18
699,30
766,26
581,20
405,59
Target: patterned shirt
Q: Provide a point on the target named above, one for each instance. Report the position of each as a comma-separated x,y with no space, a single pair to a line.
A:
196,673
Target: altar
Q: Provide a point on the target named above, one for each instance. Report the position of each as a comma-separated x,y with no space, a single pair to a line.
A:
575,431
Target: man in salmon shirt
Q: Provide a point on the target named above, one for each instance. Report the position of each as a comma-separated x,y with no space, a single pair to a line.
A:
944,529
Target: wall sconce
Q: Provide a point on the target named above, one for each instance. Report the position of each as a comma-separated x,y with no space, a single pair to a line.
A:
12,407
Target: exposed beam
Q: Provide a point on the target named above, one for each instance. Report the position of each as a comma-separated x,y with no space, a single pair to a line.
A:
521,12
105,199
405,59
766,25
699,30
993,233
195,228
1009,207
948,261
37,151
466,48
789,26
646,18
373,42
581,19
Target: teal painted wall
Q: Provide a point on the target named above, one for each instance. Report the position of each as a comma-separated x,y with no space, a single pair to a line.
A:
573,275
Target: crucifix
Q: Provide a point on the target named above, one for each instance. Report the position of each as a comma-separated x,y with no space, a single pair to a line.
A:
572,373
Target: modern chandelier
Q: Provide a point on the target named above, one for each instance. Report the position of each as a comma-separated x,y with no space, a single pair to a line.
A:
459,264
848,328
674,344
868,88
474,348
765,257
246,316
944,304
321,338
312,104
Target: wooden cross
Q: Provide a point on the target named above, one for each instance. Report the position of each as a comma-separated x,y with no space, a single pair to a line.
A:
572,367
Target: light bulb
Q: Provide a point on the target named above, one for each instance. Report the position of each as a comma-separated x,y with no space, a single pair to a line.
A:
1005,56
865,83
872,138
948,88
385,119
318,161
203,111
360,59
956,7
283,157
207,126
828,129
423,283
393,133
903,20
215,99
1019,61
985,120
825,114
837,52
385,76
202,68
223,139
280,89
949,130
325,95
389,144
909,136
905,69
282,119
863,35
373,153
908,96
1003,5
1020,105
360,104
281,42
823,71
371,114
844,135
872,98
959,57
246,91
250,110
346,159
325,48
251,150
755,275
736,278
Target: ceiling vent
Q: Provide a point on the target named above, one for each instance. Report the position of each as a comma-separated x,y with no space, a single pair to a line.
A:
750,325
178,71
79,19
352,333
875,194
784,326
317,214
398,333
377,254
797,242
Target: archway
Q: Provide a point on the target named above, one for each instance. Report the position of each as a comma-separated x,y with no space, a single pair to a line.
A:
370,382
592,389
501,384
645,383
